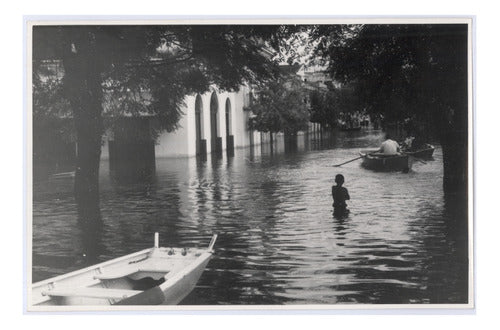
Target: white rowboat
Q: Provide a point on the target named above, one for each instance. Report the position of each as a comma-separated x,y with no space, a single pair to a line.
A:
154,276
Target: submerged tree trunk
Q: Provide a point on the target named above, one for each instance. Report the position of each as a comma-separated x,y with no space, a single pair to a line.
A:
454,142
452,116
291,143
83,86
271,141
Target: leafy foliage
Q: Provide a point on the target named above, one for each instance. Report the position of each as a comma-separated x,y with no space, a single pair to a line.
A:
148,70
280,107
52,121
417,71
399,70
48,98
326,105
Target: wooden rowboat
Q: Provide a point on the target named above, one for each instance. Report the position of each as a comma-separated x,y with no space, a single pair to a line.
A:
386,163
154,276
425,152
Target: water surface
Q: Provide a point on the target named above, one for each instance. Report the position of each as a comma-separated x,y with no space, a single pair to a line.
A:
403,241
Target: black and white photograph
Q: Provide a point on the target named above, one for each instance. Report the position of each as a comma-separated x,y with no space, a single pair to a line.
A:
312,164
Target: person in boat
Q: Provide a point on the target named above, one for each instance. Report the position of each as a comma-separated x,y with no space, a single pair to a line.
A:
388,147
417,140
407,143
339,195
416,132
418,143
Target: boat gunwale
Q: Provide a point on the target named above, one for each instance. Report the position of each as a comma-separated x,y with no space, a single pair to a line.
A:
109,263
369,156
170,281
411,153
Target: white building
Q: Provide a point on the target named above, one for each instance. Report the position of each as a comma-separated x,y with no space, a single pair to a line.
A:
212,122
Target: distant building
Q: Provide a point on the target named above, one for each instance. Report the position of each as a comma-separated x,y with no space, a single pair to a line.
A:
316,77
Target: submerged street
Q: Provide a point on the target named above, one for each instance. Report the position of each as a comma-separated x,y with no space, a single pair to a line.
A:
404,241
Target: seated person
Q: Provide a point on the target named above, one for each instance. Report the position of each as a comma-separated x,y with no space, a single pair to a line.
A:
417,144
407,143
388,147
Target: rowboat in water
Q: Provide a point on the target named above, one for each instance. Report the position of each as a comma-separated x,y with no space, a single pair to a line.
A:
424,152
154,276
386,163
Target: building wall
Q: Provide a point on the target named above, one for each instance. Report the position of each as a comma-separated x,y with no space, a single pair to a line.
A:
177,143
182,142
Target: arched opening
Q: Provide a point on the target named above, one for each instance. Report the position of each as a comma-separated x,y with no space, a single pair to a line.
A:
201,144
216,142
229,136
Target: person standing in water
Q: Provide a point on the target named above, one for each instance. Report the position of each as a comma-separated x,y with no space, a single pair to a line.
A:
339,195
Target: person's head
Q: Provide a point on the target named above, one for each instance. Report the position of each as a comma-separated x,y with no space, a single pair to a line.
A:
339,179
388,136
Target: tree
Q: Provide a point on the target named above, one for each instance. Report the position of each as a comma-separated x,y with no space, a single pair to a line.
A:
139,70
404,71
326,105
280,107
51,121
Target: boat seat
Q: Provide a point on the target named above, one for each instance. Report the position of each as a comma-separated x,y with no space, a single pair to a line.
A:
91,293
111,275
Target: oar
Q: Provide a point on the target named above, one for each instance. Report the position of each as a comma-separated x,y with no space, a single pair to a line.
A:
416,158
348,161
420,160
370,153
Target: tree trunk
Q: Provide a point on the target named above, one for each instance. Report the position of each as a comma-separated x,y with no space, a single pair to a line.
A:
83,86
454,114
454,135
455,162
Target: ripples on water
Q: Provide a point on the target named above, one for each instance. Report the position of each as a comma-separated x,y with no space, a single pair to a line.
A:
278,241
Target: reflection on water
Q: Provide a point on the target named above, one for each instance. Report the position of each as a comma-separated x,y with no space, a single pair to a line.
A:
279,243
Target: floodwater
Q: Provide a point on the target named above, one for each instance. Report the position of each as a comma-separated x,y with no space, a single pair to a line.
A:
403,242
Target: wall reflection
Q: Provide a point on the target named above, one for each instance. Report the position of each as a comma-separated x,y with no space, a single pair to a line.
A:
403,241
